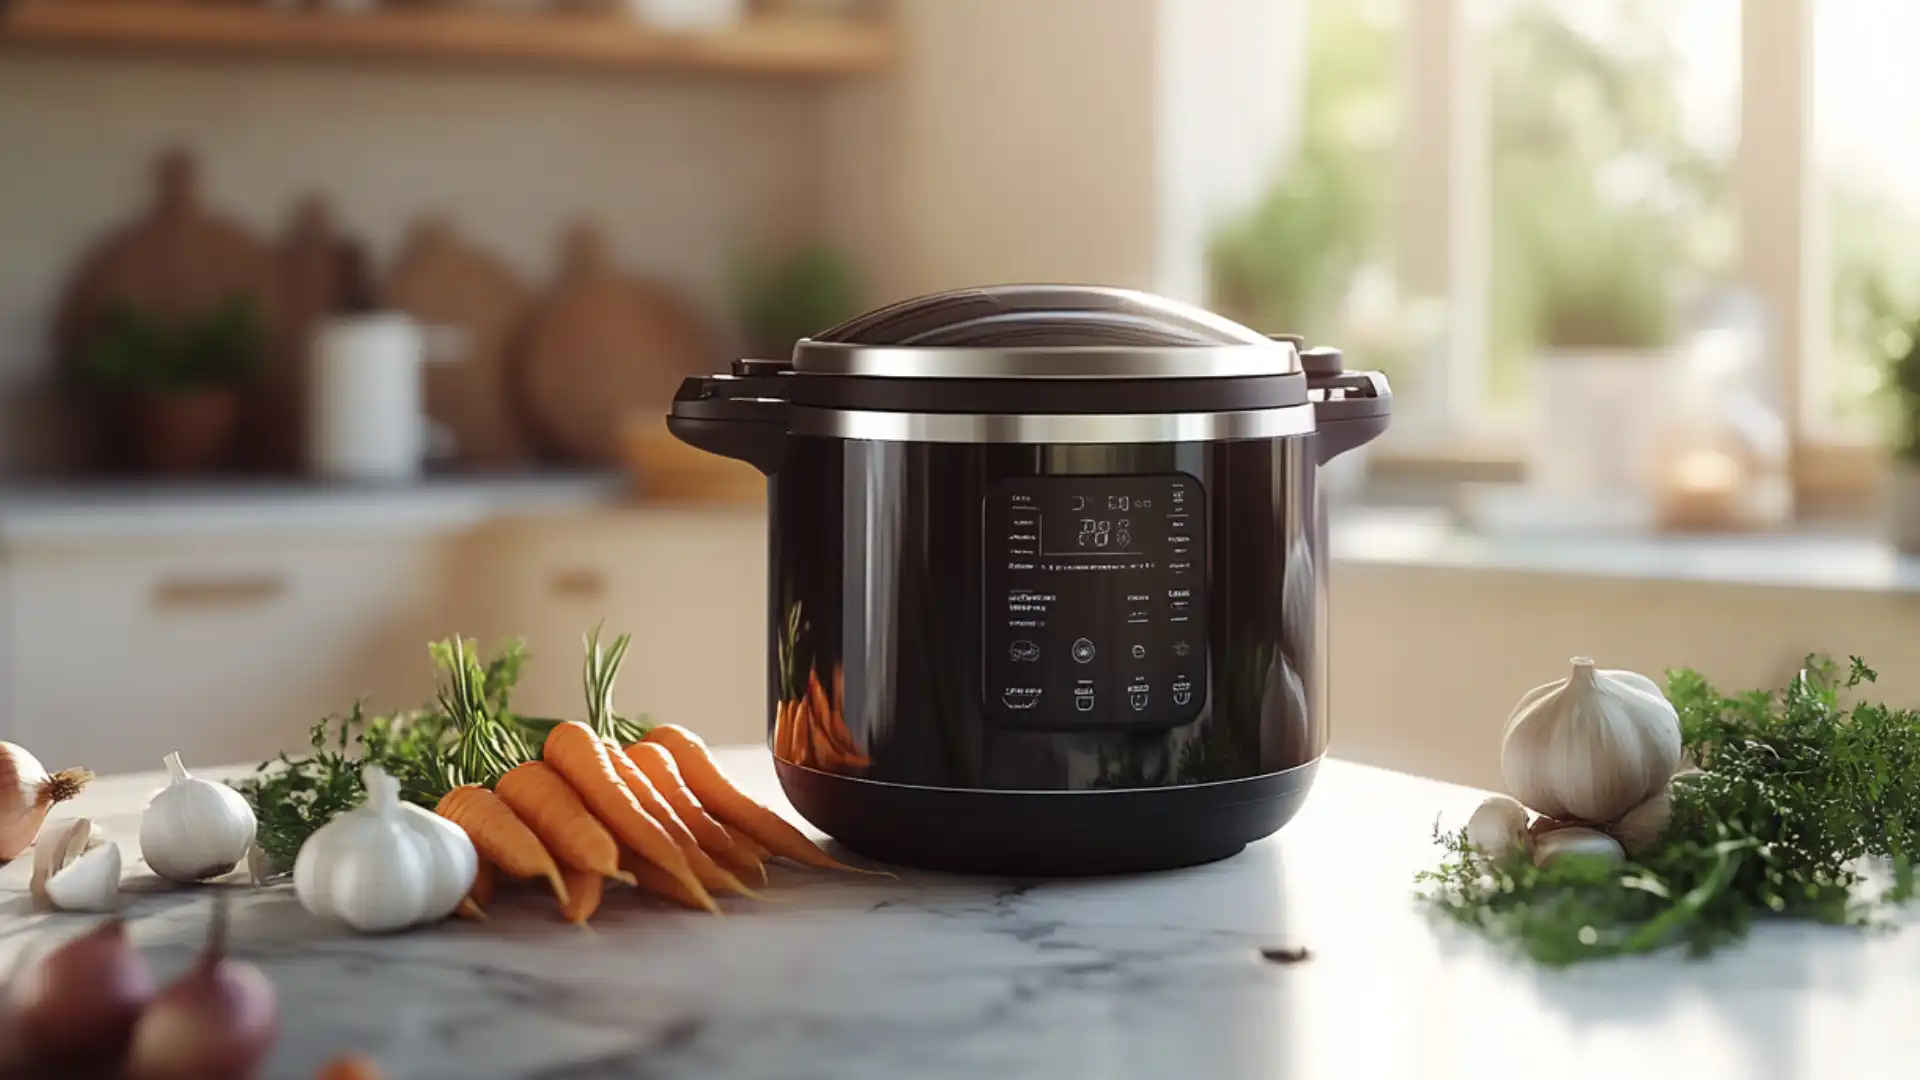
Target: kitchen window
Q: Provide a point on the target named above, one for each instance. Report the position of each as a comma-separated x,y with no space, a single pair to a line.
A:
1453,152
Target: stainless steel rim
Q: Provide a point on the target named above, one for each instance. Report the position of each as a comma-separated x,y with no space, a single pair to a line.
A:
1052,427
1054,362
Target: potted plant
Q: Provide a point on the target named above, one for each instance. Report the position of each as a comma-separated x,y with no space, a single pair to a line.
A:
809,290
1602,291
172,383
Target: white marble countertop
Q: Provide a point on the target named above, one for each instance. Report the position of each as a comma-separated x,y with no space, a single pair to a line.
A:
935,976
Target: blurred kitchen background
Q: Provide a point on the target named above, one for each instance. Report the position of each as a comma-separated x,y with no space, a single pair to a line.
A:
1645,274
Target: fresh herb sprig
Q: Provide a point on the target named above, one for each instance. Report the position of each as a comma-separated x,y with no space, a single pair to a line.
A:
487,744
600,672
292,797
1794,789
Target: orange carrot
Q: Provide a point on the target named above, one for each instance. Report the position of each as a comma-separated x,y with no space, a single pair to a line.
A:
716,839
710,873
587,888
784,727
745,858
484,880
747,843
657,764
817,702
736,807
574,752
557,816
499,835
660,883
350,1067
470,910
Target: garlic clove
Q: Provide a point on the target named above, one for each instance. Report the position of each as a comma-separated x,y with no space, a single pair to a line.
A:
89,883
1498,829
1591,746
1576,841
260,868
59,844
1641,826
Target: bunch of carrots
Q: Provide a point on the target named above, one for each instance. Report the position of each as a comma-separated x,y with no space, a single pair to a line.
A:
658,814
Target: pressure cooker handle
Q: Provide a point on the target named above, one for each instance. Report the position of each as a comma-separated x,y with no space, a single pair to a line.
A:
733,416
1350,408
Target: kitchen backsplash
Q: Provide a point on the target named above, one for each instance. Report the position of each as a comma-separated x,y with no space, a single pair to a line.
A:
679,176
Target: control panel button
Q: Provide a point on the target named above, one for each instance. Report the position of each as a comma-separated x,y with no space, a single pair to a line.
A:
1182,690
1093,593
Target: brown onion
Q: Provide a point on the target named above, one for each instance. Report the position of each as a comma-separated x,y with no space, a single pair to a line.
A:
27,792
215,1023
78,1005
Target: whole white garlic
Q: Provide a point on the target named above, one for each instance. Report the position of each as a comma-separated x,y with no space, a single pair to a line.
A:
385,866
1639,827
1498,829
1590,843
1591,746
194,829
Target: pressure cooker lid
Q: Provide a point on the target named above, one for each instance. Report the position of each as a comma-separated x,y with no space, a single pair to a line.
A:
1044,331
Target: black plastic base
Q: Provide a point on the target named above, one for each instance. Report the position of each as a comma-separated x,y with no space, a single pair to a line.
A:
1046,834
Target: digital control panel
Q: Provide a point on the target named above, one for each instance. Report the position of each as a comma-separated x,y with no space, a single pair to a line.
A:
1096,602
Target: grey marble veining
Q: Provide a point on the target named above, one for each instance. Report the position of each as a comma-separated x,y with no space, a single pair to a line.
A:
933,976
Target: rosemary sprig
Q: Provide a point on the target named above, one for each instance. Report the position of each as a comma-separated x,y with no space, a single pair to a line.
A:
486,748
1795,788
600,670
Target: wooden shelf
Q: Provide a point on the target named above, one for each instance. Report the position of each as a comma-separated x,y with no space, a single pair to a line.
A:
773,47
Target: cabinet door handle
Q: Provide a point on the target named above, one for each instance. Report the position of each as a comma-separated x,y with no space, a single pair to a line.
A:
578,583
223,591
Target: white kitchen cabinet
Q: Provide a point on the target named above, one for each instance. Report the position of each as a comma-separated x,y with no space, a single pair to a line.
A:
689,584
224,624
224,649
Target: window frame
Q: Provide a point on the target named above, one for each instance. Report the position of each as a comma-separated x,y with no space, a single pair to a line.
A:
1442,247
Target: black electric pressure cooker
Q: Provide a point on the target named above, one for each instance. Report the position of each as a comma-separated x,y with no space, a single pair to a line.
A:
1047,574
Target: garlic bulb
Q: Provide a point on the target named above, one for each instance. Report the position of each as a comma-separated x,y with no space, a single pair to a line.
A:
1639,827
194,829
74,870
1591,746
387,865
1582,842
26,794
1498,829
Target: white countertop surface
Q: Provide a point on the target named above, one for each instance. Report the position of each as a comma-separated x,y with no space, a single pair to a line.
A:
936,976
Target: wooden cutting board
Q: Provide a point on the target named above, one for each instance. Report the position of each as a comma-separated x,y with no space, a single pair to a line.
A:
603,347
176,259
310,257
444,281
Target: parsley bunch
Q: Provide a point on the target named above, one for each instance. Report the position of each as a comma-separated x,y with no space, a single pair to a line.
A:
1795,789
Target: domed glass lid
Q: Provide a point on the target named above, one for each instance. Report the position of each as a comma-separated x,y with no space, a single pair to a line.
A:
1044,331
